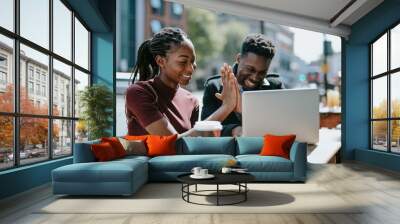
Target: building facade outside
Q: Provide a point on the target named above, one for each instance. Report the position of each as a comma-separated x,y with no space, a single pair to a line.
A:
34,90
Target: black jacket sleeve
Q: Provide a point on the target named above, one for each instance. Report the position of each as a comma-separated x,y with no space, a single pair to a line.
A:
212,103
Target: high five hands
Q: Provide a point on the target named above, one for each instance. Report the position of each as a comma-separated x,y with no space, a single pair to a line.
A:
230,95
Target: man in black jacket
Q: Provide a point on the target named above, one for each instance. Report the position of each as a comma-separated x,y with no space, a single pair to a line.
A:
250,69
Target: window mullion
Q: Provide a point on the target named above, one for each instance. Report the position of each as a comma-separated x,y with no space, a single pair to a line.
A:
389,104
73,82
371,89
50,81
16,69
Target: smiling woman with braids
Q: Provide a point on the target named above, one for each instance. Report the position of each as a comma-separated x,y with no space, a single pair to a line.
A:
157,104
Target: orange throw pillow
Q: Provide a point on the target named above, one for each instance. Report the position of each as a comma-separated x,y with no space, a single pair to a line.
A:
161,145
277,145
103,152
116,145
136,137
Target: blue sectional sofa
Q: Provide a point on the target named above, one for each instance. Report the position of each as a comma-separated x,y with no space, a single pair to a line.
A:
125,176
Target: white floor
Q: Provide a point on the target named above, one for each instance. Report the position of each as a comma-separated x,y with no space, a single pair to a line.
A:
378,190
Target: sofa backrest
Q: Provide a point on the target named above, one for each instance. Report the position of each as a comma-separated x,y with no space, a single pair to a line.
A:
249,145
83,152
206,145
191,146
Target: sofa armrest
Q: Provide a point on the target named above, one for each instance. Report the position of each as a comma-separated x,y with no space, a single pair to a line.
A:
83,152
298,155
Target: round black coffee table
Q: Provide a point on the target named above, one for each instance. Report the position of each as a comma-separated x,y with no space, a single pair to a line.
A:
238,179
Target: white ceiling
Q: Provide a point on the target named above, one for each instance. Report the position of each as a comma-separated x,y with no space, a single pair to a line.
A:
315,15
321,9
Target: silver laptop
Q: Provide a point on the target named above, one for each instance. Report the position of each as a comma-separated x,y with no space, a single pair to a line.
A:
282,112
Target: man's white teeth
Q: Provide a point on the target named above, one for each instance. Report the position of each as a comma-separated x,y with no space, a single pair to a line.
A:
186,76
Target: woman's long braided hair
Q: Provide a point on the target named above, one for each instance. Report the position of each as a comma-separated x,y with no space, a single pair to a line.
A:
160,44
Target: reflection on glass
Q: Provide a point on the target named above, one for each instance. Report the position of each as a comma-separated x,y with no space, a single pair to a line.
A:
379,135
33,139
81,45
379,97
81,81
81,131
62,138
6,74
395,136
35,21
395,94
395,47
7,14
379,55
176,9
157,6
62,89
155,26
34,96
6,142
62,29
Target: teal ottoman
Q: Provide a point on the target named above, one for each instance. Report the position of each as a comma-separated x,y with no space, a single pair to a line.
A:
118,177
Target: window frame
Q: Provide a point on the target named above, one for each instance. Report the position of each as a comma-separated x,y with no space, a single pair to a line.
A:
16,114
3,71
3,77
388,74
5,59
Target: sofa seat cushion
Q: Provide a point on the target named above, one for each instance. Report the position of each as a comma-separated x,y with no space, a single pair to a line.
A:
112,171
185,163
132,158
257,163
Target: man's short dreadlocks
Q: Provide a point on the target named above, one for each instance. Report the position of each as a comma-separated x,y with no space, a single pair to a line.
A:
258,44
